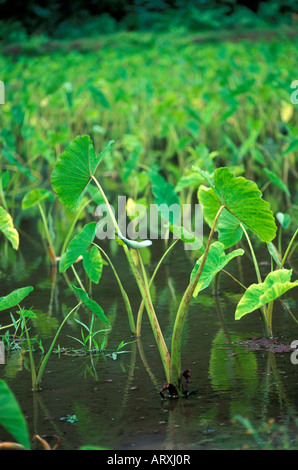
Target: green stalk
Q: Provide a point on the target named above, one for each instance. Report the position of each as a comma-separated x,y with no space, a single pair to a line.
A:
140,313
46,358
47,232
32,364
123,292
262,309
165,357
72,227
288,249
183,310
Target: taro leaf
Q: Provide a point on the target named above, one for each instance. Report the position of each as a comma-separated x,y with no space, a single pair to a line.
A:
8,229
78,245
244,200
15,297
91,304
273,253
277,181
11,416
35,196
217,259
229,229
74,169
186,237
210,203
165,197
93,264
274,286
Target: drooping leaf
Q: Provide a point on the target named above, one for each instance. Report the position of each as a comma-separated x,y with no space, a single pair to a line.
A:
274,286
217,259
78,245
165,197
277,181
74,169
91,304
93,264
11,416
8,229
273,253
15,297
283,219
35,196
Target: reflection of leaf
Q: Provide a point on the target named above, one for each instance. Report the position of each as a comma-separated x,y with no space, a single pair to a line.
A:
217,259
274,286
7,228
78,245
230,365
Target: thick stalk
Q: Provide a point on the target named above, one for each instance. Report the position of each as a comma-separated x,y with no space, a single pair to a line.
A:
183,310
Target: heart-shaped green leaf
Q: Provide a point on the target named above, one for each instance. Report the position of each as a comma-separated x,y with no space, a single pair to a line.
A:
91,304
165,197
274,286
78,245
8,229
74,169
15,297
242,198
217,259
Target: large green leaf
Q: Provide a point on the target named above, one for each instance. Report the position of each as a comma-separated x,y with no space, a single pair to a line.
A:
78,245
243,199
11,416
229,229
274,286
8,229
217,259
74,169
15,297
93,264
91,304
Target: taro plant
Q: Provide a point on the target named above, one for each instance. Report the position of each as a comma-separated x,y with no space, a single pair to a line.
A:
232,205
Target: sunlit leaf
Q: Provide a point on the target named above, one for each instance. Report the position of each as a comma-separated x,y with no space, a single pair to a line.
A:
36,195
93,264
274,286
8,229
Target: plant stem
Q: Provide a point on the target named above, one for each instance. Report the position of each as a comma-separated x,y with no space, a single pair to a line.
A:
182,312
288,249
46,358
32,364
140,313
45,223
123,292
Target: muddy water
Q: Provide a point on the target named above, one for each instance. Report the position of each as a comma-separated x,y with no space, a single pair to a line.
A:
114,398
